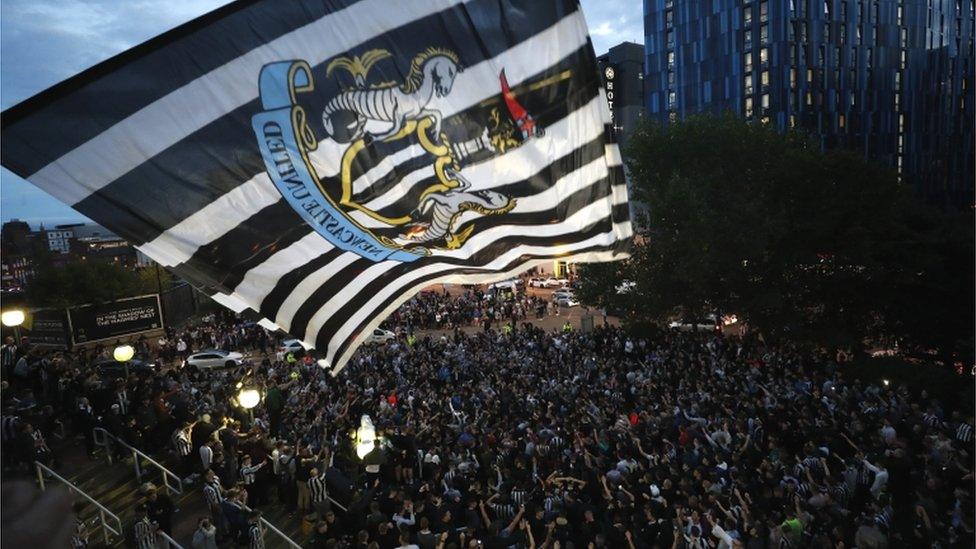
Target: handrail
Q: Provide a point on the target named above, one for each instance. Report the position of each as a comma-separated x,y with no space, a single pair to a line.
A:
170,541
102,510
281,534
136,454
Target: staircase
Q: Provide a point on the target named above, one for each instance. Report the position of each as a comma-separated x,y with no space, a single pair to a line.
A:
117,487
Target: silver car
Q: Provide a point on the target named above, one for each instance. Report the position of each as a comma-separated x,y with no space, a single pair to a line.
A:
214,358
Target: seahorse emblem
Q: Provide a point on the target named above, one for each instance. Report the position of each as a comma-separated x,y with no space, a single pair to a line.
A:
442,210
432,73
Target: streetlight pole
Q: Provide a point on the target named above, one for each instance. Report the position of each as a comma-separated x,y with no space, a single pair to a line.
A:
13,318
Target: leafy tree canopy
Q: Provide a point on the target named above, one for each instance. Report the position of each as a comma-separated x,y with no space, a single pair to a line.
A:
818,247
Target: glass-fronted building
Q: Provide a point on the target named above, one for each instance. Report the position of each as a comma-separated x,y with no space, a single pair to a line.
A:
892,78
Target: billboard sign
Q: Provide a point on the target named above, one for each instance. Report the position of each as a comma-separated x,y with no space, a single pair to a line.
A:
90,323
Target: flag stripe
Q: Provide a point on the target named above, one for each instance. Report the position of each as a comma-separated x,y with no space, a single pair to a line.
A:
271,303
333,342
109,84
212,163
480,248
582,200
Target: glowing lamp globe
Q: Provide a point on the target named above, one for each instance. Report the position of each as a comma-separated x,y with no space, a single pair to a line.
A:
124,353
365,437
12,318
249,398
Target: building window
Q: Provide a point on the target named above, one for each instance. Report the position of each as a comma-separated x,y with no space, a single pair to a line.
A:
747,84
792,78
672,100
748,107
670,38
765,102
763,56
827,9
670,79
809,99
809,76
670,60
841,121
764,34
747,16
763,11
669,18
764,79
747,39
747,61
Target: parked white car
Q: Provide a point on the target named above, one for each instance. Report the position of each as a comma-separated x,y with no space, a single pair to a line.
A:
211,359
707,324
290,346
380,336
563,292
511,284
537,282
567,301
553,282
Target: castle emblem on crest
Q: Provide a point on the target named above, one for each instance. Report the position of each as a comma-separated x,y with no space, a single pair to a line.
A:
366,120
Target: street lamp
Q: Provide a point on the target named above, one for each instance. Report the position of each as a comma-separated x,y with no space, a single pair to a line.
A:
13,318
248,398
123,354
365,437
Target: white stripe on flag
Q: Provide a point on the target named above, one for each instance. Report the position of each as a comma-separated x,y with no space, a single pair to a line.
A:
565,186
305,288
181,241
619,231
87,169
582,218
259,281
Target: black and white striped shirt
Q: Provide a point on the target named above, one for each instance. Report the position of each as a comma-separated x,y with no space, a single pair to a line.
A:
317,488
181,440
248,474
9,355
145,534
503,511
214,494
9,425
964,432
256,537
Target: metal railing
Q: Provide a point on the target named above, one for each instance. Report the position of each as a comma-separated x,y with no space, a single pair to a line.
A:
171,480
170,542
280,534
105,517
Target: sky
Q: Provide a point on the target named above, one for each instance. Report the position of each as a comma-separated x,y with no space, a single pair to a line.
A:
43,42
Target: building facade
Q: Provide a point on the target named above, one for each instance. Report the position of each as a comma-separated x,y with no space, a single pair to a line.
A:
622,69
891,78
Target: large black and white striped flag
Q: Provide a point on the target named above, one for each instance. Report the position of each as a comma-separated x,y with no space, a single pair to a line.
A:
318,162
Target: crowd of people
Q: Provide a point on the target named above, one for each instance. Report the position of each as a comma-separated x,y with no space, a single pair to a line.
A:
442,310
524,438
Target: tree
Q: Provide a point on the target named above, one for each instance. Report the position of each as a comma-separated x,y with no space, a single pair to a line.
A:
79,282
797,242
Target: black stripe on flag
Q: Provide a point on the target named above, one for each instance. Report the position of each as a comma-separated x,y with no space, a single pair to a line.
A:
337,319
272,302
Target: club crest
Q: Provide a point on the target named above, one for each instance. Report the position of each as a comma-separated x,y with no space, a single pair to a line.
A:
376,165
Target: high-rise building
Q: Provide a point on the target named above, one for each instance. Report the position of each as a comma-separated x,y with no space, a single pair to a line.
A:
622,68
892,78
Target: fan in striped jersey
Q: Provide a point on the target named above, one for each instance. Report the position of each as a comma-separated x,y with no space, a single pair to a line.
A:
315,164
